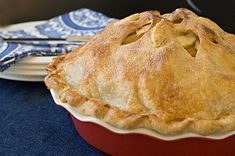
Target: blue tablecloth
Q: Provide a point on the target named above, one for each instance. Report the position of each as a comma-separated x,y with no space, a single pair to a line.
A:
31,124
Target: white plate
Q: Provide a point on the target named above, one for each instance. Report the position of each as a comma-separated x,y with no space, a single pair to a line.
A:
26,72
38,60
86,118
18,66
22,77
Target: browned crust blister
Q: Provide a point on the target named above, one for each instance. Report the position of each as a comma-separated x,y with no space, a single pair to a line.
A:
216,120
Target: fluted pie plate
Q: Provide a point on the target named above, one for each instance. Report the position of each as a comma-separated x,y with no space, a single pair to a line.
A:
152,84
142,141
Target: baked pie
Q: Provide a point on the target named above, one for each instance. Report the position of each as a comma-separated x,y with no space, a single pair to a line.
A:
172,73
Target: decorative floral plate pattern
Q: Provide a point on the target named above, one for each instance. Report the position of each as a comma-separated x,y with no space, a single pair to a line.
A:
81,22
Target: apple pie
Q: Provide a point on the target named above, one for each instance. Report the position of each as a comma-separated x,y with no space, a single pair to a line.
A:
171,73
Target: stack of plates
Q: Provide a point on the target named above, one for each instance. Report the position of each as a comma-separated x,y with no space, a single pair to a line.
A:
29,69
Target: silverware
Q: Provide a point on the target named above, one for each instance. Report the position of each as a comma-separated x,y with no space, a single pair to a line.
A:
70,39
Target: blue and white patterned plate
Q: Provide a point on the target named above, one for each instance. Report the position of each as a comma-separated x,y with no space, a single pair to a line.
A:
79,22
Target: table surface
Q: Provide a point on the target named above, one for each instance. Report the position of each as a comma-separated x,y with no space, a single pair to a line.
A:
30,123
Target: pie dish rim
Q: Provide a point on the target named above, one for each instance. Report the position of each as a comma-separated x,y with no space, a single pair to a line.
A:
142,131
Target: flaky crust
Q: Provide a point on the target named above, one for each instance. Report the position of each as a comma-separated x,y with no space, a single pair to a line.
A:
171,73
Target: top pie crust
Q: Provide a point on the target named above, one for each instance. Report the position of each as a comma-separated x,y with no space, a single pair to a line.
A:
172,73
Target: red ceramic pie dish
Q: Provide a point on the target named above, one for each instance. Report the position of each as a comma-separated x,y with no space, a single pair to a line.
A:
130,142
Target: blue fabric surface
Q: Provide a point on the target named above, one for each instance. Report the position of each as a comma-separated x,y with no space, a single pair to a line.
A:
31,124
81,22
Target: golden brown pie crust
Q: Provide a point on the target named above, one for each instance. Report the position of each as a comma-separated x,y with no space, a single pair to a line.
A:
171,73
